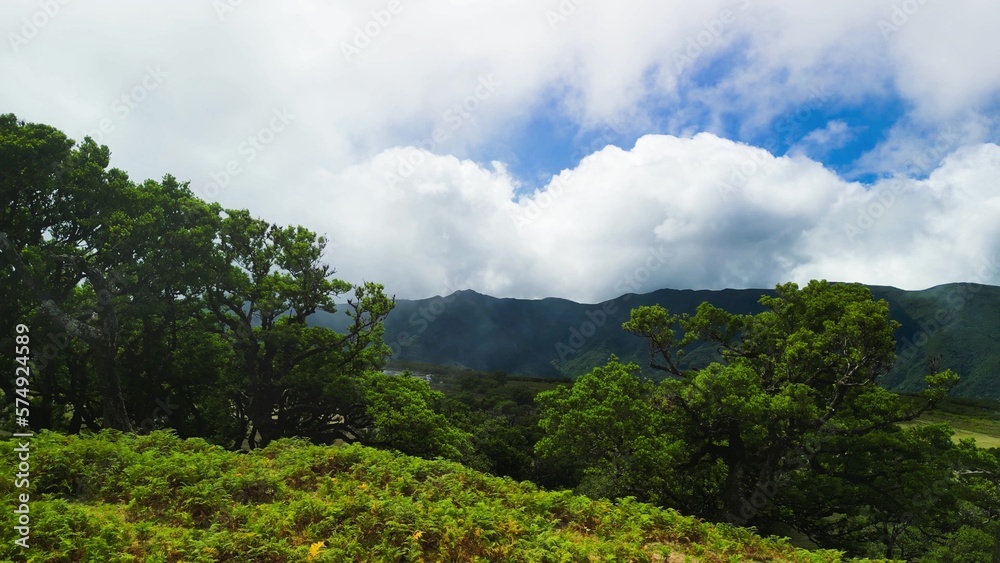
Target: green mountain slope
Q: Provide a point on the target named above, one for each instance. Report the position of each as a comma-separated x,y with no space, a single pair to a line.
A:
557,338
114,497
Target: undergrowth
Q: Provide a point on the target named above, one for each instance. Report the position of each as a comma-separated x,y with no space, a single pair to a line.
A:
114,497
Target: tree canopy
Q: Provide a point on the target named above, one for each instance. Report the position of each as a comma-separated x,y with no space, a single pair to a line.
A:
791,397
151,308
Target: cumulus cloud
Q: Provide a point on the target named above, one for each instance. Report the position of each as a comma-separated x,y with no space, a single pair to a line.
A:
701,212
374,84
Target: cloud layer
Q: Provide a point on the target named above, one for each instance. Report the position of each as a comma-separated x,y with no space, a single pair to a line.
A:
701,212
316,114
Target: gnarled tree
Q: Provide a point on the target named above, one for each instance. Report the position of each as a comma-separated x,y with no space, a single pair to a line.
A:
790,377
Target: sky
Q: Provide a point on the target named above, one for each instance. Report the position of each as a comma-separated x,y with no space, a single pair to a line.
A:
570,148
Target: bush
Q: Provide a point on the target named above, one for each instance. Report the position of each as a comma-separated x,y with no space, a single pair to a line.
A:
160,498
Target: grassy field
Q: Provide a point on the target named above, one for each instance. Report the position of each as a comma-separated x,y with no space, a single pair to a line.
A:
455,379
969,419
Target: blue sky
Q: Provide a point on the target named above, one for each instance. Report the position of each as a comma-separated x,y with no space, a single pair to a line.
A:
826,128
550,142
569,148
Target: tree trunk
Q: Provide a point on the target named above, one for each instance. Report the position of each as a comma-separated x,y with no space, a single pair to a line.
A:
77,391
260,419
102,340
105,350
996,545
115,413
734,493
43,416
260,406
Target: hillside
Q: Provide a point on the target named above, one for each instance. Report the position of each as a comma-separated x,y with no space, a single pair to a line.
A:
113,497
559,338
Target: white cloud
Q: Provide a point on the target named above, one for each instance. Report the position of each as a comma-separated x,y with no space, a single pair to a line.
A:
449,224
941,64
819,142
916,149
726,214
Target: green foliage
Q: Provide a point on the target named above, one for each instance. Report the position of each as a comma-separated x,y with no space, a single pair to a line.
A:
162,310
499,411
787,427
402,409
288,377
187,500
967,545
955,321
607,426
156,309
887,492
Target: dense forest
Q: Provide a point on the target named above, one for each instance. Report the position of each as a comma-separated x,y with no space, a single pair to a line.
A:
151,309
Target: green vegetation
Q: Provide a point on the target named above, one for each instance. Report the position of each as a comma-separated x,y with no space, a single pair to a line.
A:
150,308
977,420
487,334
147,308
787,430
113,497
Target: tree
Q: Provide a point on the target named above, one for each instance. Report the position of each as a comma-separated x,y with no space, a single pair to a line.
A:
162,299
405,416
55,235
609,428
291,379
803,370
977,535
109,272
890,493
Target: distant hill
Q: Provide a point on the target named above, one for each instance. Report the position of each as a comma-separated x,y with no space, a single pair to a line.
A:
557,338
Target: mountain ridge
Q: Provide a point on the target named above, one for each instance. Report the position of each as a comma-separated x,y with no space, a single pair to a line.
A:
557,337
